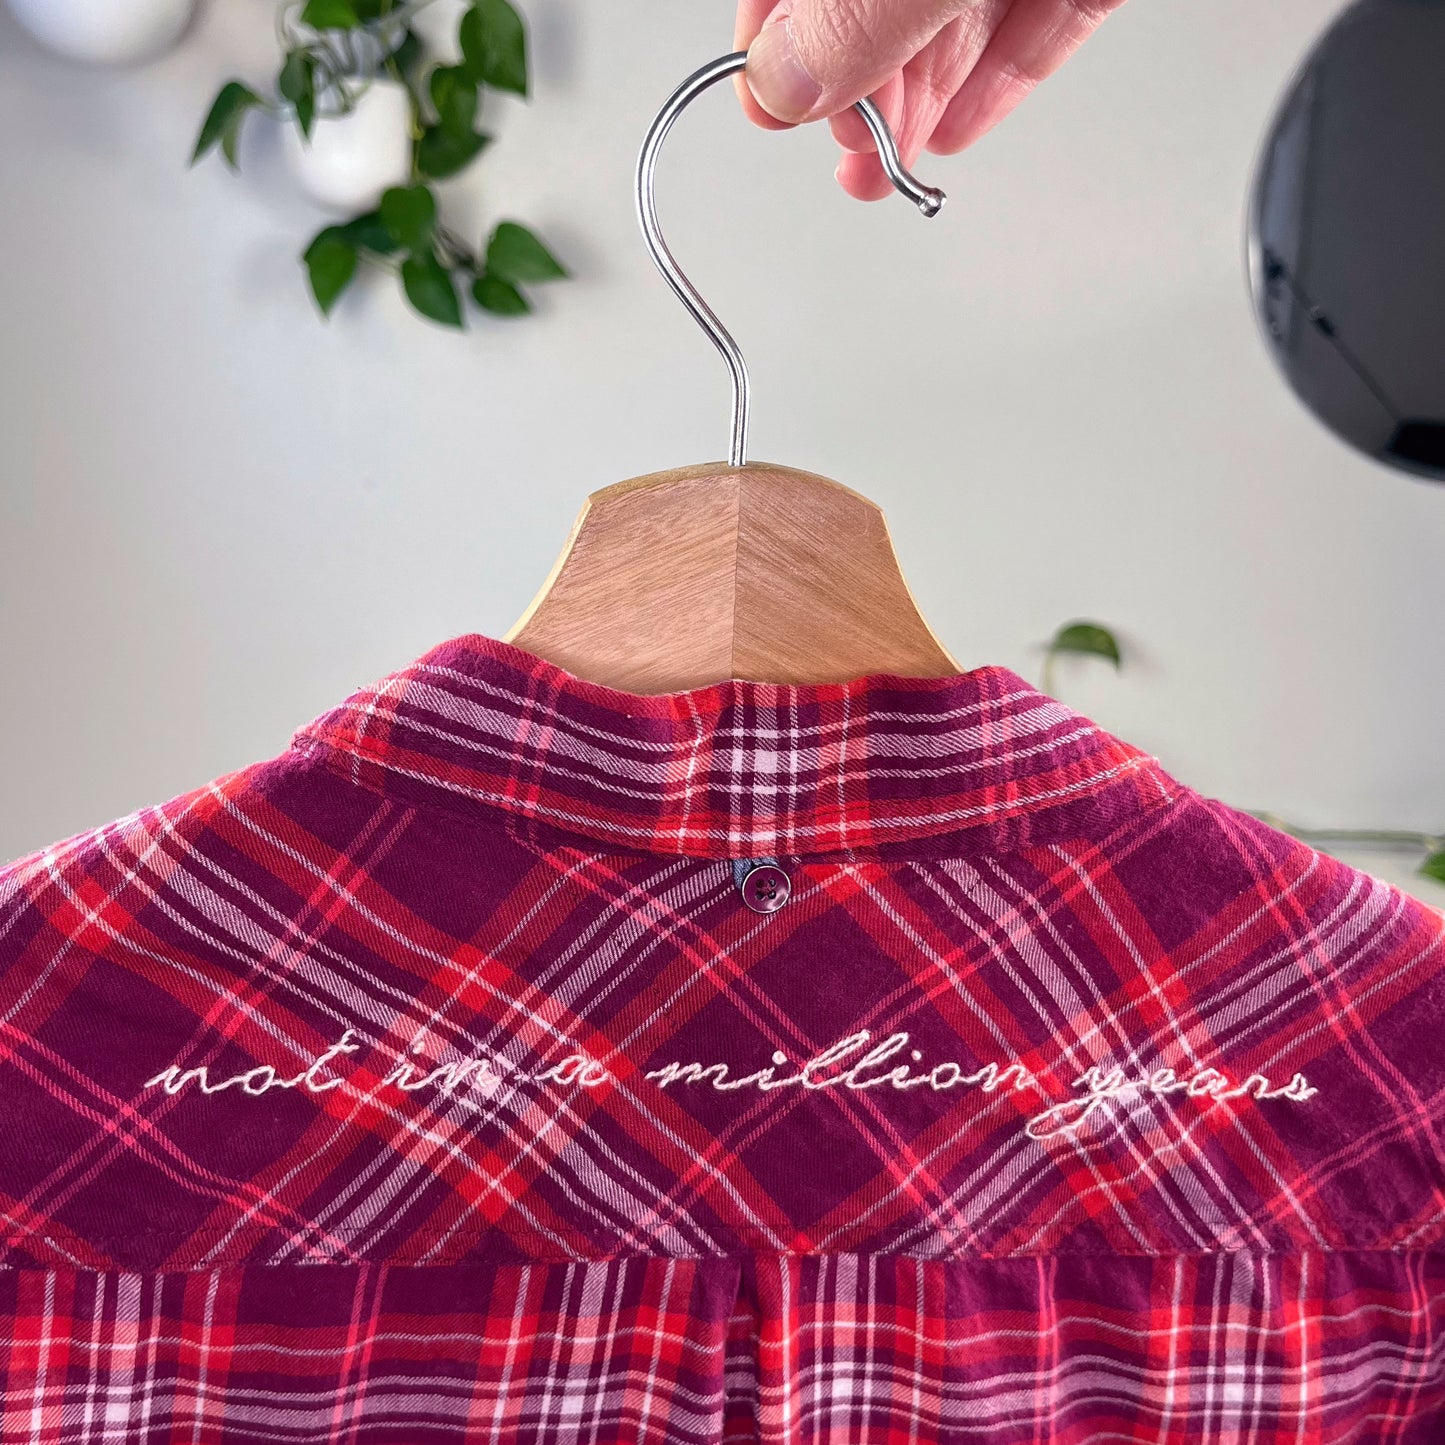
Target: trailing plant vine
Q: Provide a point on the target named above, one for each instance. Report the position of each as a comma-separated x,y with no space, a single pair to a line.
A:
1094,640
332,50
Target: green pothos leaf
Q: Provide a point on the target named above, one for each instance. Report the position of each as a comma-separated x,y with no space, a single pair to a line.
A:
441,153
409,213
330,15
454,97
494,45
330,264
368,232
430,289
297,83
499,297
1434,866
222,125
515,254
1086,637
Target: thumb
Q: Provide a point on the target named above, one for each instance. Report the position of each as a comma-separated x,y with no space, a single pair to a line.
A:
814,58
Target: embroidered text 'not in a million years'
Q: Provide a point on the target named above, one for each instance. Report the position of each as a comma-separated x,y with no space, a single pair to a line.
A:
483,1080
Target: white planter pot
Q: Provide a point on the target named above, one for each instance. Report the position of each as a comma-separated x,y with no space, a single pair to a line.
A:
353,157
105,32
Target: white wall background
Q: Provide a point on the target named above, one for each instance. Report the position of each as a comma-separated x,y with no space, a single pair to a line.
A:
219,514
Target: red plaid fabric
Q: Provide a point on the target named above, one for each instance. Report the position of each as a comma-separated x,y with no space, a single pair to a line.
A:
433,1081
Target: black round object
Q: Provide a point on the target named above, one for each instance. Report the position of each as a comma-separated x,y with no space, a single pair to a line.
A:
1347,232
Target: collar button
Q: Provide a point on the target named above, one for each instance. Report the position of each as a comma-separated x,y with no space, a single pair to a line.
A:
765,888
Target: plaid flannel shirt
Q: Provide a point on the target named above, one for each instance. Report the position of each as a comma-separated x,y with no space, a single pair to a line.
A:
435,1081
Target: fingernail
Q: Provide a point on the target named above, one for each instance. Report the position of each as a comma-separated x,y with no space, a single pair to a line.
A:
776,76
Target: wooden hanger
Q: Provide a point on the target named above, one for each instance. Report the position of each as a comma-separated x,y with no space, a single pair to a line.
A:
730,569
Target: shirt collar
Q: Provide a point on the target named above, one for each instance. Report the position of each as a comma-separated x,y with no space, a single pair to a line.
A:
878,766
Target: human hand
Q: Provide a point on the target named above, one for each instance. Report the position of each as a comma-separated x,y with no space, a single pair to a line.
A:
941,71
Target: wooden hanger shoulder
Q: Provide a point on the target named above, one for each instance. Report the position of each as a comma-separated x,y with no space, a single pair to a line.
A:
686,577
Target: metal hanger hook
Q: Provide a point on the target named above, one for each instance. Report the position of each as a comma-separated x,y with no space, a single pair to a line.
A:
928,199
